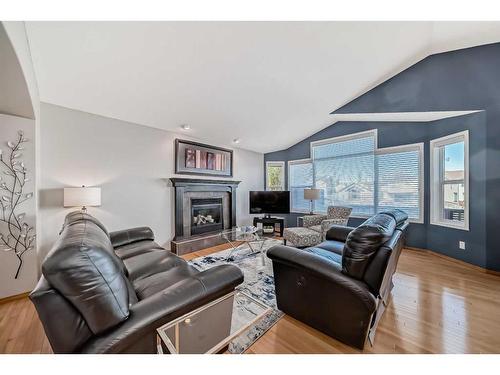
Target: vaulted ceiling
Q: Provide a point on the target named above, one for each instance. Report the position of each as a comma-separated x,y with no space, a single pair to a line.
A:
270,84
14,94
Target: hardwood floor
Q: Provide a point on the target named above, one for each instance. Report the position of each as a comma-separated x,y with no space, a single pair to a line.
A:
438,306
20,329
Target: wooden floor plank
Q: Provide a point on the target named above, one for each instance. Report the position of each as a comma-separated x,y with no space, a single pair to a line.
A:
16,341
437,306
11,320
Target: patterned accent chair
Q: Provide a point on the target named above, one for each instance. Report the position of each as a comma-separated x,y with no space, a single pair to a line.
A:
315,227
335,215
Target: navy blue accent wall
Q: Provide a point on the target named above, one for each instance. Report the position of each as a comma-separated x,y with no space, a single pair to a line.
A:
467,79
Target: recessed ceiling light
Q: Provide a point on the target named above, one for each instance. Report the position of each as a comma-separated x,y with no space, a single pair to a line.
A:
236,140
185,127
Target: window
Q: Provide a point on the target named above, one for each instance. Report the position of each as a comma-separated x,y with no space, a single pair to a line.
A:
400,180
300,177
450,181
351,171
275,175
344,170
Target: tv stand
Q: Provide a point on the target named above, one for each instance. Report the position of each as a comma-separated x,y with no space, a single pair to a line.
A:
267,219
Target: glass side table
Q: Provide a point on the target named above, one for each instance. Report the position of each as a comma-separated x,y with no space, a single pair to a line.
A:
210,328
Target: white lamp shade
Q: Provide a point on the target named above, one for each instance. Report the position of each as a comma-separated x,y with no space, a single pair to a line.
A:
312,194
82,196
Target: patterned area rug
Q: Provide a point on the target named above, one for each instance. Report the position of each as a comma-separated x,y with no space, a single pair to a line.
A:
259,283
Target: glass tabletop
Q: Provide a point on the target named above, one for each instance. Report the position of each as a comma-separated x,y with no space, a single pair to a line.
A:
236,234
210,328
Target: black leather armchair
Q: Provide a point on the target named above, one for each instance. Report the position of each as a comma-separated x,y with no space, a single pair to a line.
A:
341,286
108,293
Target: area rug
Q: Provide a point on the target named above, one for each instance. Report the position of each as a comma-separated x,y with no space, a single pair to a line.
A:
258,283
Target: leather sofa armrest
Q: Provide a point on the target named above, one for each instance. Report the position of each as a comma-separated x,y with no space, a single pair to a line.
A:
137,334
338,232
323,268
127,236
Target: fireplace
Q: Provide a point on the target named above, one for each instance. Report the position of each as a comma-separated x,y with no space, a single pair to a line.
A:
203,208
206,215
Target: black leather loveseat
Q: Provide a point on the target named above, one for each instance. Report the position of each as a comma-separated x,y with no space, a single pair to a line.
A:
342,285
108,293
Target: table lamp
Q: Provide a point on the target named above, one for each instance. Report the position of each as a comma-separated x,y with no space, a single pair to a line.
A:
312,195
82,197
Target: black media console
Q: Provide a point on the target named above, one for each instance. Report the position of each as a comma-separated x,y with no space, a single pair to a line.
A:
270,220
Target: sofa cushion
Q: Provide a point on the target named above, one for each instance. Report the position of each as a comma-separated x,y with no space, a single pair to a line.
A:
325,254
336,247
399,216
137,248
316,228
77,216
152,262
127,236
364,241
83,268
157,282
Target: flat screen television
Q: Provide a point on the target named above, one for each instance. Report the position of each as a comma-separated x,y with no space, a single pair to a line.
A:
269,202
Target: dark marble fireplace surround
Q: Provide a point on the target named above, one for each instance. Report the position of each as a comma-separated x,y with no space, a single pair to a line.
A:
202,209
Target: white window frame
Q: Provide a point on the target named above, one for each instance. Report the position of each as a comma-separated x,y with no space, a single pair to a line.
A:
290,163
277,164
421,180
437,182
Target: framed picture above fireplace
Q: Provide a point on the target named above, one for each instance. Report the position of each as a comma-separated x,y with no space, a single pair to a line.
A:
199,159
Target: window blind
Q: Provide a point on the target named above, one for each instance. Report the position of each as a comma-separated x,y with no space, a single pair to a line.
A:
300,177
352,172
398,180
344,170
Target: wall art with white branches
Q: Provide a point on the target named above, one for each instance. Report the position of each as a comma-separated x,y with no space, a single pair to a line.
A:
16,235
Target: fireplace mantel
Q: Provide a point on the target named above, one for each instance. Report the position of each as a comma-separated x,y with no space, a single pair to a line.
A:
185,190
183,181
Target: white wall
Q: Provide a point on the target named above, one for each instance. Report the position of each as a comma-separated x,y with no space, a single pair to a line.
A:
16,32
9,126
15,98
132,164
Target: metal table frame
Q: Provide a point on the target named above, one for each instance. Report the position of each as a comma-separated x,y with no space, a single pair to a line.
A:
173,347
255,237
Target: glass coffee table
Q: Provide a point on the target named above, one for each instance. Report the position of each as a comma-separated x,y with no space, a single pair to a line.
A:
237,238
210,328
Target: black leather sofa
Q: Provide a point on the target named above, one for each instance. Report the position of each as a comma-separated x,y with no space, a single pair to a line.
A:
108,293
341,286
